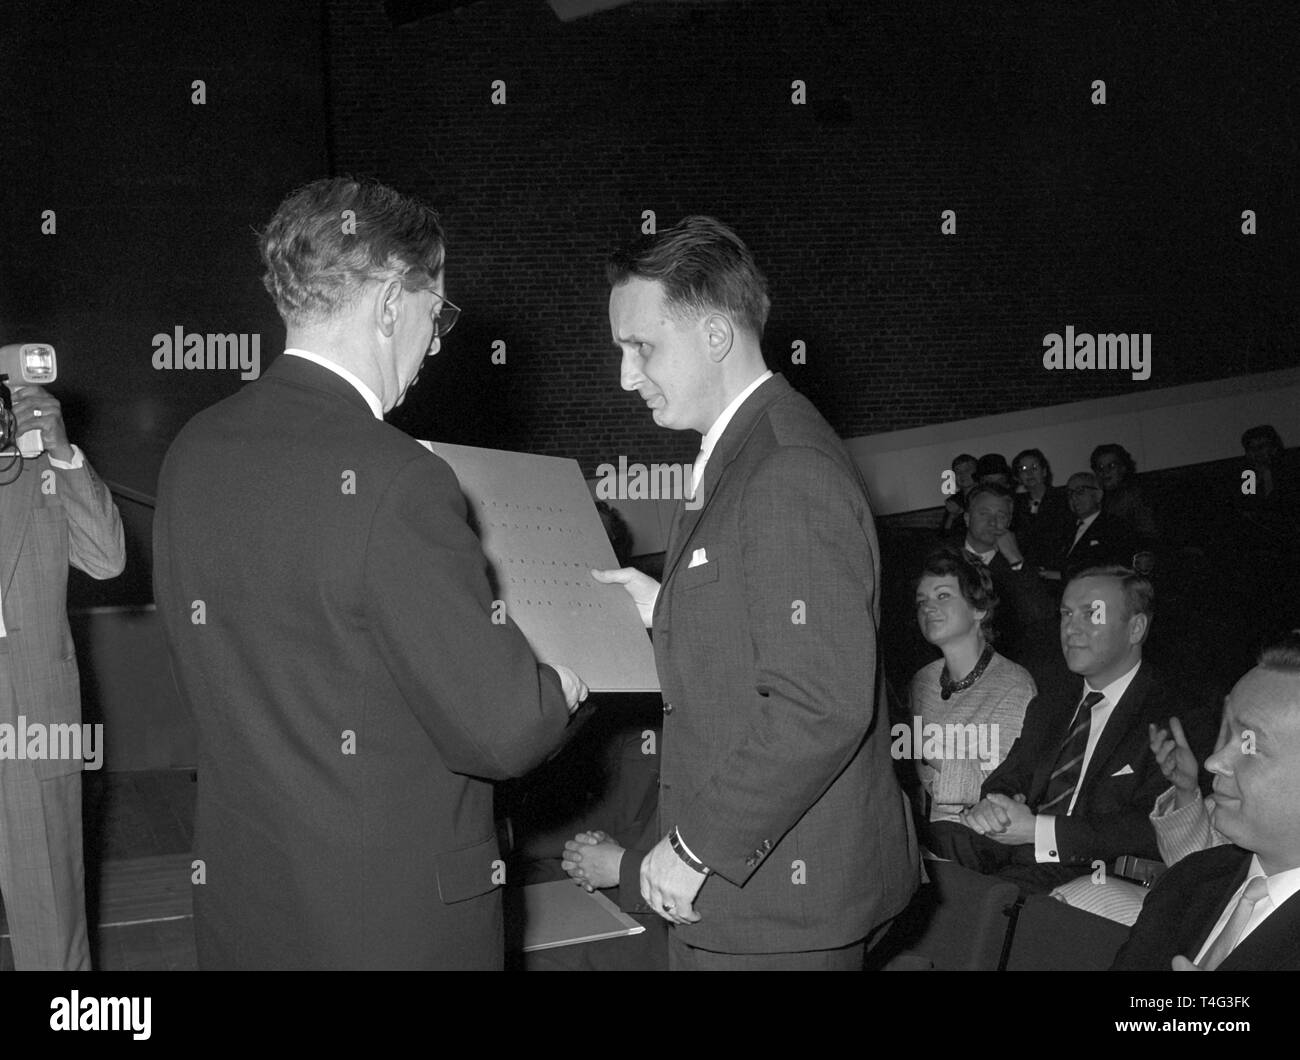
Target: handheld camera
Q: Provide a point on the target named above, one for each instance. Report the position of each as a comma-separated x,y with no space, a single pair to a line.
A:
23,364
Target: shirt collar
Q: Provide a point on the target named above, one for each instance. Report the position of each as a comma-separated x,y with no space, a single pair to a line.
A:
1088,520
1114,691
711,437
372,399
1281,885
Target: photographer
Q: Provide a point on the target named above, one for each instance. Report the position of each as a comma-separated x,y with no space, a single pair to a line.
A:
53,511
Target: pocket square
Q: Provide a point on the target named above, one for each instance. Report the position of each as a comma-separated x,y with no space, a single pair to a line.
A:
1123,772
698,558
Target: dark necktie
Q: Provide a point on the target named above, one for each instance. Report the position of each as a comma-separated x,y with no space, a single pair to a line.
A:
1069,762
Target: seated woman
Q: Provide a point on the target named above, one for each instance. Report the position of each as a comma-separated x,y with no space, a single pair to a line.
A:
975,697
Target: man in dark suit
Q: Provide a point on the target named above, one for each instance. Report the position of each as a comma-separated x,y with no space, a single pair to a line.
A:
330,624
54,512
1079,783
1236,907
1093,538
788,839
1026,620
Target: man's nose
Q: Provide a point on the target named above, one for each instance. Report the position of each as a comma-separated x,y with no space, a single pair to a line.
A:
629,375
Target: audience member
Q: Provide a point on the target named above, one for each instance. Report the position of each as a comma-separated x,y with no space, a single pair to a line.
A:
1235,906
1042,514
973,692
1026,617
1094,537
954,508
1116,473
1078,785
993,467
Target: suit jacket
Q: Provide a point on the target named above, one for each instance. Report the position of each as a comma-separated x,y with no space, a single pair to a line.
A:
1185,904
1026,617
1039,535
1108,539
1111,814
50,517
329,619
776,764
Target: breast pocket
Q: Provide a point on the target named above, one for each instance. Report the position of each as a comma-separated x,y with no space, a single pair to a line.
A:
696,577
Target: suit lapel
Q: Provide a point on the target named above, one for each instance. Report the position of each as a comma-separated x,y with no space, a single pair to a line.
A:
1118,724
728,448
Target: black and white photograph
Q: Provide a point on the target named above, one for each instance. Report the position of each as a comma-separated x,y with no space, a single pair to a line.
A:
649,486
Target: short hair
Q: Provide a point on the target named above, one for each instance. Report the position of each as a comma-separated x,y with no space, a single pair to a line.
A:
1264,432
1139,593
703,267
992,464
318,257
995,488
1037,454
1283,655
974,582
1116,450
963,458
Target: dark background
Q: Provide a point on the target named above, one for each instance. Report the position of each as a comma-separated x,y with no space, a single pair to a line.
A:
1123,217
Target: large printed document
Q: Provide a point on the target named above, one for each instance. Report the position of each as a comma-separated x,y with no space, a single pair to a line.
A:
542,536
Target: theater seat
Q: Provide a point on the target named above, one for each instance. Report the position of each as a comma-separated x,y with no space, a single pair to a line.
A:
1051,936
957,922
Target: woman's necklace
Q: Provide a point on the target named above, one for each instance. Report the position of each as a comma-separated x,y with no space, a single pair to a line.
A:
947,686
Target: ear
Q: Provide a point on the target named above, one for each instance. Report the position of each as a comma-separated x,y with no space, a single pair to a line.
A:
1137,628
719,335
387,306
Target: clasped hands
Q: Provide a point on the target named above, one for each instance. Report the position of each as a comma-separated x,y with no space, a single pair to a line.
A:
1002,819
668,885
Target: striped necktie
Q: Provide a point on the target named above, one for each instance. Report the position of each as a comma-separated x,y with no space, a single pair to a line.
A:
1069,762
1226,940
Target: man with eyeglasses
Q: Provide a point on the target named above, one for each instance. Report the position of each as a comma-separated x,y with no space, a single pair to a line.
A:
330,623
1095,537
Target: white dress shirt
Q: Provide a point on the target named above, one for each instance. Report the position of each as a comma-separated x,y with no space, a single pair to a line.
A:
711,436
372,399
76,462
1045,849
1281,886
1082,528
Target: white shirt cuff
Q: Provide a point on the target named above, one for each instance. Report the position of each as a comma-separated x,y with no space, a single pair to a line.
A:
74,464
1045,851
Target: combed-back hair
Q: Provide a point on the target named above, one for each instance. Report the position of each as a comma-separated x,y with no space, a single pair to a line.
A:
1283,654
1139,593
332,236
704,267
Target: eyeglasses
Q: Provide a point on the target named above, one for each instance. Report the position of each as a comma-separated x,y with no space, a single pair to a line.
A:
445,319
1075,490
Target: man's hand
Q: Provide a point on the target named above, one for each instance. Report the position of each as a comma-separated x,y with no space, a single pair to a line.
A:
1182,964
36,410
669,885
986,817
1008,547
593,859
1176,760
643,589
1019,826
575,688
